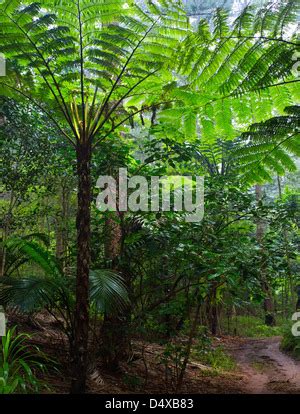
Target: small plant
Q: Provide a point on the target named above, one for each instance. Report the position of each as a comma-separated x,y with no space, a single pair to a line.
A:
172,358
204,342
215,357
218,359
19,364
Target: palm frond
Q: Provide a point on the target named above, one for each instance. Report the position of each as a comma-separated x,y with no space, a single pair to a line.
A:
108,291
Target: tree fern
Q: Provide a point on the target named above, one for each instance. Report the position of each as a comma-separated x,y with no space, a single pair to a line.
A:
61,57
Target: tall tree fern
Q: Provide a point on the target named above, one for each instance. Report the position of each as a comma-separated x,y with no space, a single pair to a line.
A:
78,61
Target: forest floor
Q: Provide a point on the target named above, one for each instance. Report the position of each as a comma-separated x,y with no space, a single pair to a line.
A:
260,366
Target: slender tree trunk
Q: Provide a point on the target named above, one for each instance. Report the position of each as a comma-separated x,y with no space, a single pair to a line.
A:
289,287
188,348
266,288
83,225
298,298
214,311
62,224
7,222
113,239
279,186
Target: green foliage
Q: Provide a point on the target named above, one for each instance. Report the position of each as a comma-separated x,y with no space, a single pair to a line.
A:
212,355
108,291
239,75
26,153
253,327
31,250
206,100
54,291
84,65
290,343
19,364
218,359
269,147
172,359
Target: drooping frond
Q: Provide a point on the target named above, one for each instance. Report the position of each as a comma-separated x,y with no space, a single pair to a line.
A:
107,290
237,58
270,146
241,70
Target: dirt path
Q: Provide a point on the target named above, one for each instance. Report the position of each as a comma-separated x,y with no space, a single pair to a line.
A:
265,369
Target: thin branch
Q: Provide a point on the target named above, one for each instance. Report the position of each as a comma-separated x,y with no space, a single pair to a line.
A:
231,222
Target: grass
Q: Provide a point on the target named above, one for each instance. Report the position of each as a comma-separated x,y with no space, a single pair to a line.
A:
214,357
252,327
219,360
258,366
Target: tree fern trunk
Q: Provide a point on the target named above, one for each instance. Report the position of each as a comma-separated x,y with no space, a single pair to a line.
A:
83,225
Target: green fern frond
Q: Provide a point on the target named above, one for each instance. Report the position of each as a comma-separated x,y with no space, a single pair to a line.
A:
270,147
